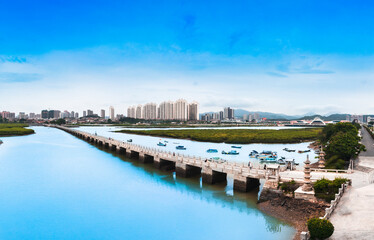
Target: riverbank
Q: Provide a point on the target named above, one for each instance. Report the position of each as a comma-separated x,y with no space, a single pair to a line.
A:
14,129
293,211
239,136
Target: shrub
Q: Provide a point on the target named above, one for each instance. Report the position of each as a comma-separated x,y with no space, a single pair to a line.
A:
320,228
326,189
289,187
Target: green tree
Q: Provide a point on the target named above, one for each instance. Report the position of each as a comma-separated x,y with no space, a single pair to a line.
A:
344,144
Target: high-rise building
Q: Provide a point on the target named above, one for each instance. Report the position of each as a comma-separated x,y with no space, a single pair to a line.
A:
138,113
76,115
22,115
84,113
65,114
131,112
111,113
54,114
166,110
221,115
193,111
45,114
180,111
72,114
228,113
32,116
102,113
149,111
89,112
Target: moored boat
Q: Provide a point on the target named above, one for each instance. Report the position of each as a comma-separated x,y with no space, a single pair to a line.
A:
129,140
180,147
289,150
161,144
232,152
1,142
253,154
239,147
303,151
212,150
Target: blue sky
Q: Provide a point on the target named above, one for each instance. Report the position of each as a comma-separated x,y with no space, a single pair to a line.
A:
281,56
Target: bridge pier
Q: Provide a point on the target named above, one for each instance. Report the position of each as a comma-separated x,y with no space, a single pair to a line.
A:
184,170
245,184
163,164
106,145
144,158
134,154
113,147
210,176
122,150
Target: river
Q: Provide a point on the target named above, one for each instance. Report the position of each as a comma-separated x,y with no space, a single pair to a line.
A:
55,186
195,148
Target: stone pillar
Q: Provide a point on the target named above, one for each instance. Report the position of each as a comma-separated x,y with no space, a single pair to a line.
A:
245,184
184,170
141,157
210,176
156,162
128,153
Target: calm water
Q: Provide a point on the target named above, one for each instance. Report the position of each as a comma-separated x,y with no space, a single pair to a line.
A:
55,186
199,148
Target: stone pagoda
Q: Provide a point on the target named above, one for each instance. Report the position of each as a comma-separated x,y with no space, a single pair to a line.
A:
307,187
306,191
321,161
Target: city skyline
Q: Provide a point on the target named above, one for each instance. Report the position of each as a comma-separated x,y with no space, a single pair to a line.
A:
284,57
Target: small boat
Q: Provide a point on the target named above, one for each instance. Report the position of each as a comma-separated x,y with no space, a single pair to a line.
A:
239,147
253,154
212,150
1,142
166,141
269,160
129,140
303,151
289,150
232,152
180,147
161,144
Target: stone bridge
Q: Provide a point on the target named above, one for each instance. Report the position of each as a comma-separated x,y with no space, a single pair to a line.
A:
212,171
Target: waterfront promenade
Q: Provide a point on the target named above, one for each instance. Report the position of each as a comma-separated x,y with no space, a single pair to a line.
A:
212,171
354,216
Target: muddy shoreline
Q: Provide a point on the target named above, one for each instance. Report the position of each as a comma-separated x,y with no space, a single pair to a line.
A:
293,211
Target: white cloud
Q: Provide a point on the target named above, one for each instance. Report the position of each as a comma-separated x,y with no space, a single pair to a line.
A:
98,78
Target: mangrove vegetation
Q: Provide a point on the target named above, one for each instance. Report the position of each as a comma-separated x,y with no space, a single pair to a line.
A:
241,136
14,129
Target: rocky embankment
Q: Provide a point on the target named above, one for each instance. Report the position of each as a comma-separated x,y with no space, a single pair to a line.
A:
294,211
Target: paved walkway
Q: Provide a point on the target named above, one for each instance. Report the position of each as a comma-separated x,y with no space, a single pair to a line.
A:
354,216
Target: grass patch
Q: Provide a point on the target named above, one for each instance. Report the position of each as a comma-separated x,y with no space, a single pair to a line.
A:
241,136
14,129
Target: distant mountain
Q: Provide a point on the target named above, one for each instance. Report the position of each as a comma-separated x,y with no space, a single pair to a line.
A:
326,118
240,112
279,116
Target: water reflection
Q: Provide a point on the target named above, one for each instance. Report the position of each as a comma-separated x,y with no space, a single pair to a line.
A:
56,186
216,194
